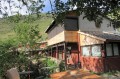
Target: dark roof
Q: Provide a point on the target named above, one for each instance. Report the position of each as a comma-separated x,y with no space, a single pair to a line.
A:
49,27
104,35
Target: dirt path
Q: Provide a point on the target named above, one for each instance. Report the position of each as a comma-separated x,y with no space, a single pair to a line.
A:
75,74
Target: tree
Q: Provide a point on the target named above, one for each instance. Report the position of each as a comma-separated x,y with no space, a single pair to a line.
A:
27,33
91,8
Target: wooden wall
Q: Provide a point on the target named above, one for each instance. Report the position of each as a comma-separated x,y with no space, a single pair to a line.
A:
71,36
56,39
112,63
56,35
67,36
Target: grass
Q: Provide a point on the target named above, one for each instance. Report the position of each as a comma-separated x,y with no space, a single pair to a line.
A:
7,28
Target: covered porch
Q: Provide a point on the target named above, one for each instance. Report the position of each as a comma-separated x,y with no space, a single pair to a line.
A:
66,51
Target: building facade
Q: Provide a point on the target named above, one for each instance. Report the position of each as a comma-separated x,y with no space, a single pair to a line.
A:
78,40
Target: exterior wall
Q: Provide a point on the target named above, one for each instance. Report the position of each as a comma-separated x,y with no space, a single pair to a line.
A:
73,59
112,63
85,25
56,35
94,64
71,36
89,40
43,45
90,63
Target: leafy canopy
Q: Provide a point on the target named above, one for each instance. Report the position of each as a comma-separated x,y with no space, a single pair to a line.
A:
91,8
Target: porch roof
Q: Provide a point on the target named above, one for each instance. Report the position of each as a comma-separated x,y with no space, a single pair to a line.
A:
105,35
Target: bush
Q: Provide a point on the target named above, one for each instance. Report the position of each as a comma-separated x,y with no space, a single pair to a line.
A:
9,59
49,67
62,66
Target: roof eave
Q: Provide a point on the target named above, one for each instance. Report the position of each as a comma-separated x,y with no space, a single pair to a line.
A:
48,28
93,36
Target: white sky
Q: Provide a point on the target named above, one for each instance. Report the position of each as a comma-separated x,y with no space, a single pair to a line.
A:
24,9
13,8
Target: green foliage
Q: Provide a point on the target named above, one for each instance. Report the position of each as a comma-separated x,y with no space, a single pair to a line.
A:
15,19
7,27
91,8
49,63
27,33
50,66
62,66
10,59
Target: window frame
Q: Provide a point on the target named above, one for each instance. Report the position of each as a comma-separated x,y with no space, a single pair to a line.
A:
73,18
113,55
118,49
100,50
91,50
111,49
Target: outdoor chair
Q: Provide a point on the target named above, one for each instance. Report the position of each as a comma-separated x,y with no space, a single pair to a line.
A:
12,74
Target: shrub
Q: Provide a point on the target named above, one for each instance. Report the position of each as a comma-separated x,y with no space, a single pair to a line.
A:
9,59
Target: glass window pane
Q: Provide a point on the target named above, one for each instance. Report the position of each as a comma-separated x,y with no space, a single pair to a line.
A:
115,48
96,50
109,49
86,51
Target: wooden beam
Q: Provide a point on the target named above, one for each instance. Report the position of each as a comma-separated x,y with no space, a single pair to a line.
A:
57,54
105,51
89,35
61,44
65,55
79,49
51,52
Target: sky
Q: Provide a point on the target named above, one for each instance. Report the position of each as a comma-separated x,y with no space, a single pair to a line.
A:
24,9
47,6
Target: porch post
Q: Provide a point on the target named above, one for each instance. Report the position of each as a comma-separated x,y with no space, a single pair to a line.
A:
65,56
79,50
51,52
57,51
104,58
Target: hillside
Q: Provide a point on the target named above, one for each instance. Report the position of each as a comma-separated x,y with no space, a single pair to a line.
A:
7,28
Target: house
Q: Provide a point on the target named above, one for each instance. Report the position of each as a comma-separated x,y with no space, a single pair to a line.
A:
42,47
78,40
42,44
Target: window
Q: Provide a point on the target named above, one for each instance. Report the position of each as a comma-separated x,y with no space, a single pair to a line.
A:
86,51
109,49
112,49
115,48
71,24
96,50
